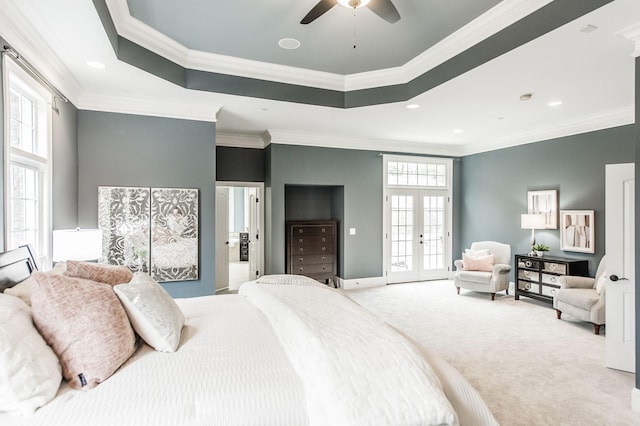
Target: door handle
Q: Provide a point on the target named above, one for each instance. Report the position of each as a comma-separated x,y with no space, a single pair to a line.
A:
615,278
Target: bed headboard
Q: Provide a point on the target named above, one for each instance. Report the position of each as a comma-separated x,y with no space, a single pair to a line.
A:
16,266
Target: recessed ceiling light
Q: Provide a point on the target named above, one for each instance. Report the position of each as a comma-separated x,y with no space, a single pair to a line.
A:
526,96
457,131
588,28
289,43
554,103
97,65
412,106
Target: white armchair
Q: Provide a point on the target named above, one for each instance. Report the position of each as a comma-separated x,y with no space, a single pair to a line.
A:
491,279
583,298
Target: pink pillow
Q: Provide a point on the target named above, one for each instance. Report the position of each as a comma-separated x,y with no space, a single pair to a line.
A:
477,263
85,325
101,272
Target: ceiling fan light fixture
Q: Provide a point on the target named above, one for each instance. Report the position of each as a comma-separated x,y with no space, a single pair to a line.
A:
353,4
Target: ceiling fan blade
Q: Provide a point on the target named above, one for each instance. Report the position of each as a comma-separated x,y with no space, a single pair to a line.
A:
318,10
384,9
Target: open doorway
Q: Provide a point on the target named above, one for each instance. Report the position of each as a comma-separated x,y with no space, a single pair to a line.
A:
239,224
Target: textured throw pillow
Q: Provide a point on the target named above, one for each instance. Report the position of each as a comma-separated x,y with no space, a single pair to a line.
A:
154,314
602,282
103,273
30,373
85,324
477,263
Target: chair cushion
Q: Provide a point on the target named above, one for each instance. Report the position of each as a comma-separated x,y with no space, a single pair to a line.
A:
583,298
475,276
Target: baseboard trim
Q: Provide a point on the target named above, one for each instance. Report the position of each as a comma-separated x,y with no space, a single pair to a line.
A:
355,283
635,399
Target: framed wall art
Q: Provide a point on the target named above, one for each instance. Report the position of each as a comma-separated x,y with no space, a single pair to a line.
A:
577,231
544,202
174,234
153,230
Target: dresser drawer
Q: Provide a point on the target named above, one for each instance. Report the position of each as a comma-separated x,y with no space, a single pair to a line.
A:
311,259
550,279
306,241
312,269
311,250
549,291
528,275
556,268
306,230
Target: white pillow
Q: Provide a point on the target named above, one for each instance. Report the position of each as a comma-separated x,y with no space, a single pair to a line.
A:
154,314
477,253
23,290
289,279
30,373
602,281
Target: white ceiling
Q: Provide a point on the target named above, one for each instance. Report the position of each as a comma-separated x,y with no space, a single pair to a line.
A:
591,73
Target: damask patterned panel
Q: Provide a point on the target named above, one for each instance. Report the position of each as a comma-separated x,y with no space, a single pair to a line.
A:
124,218
174,234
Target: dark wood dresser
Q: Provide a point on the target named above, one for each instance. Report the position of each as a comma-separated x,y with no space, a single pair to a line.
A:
312,249
537,277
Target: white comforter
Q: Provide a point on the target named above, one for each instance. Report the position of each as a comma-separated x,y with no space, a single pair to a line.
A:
356,369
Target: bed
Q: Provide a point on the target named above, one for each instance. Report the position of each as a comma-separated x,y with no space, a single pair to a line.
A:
284,351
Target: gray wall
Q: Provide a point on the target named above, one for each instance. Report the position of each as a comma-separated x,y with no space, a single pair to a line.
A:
494,185
359,172
130,150
239,164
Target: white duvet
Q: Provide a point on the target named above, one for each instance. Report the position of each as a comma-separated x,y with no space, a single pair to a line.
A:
356,370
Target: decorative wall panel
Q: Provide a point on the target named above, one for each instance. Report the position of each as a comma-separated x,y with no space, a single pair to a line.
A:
153,230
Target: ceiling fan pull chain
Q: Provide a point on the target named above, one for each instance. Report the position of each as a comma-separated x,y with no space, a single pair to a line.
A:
354,28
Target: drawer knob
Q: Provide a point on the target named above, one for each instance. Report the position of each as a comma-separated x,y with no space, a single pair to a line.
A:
301,259
324,258
301,249
553,279
300,240
301,269
324,249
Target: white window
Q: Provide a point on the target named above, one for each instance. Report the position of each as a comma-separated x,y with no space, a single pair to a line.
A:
27,148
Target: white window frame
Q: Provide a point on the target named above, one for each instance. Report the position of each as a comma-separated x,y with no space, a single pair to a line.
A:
14,75
447,189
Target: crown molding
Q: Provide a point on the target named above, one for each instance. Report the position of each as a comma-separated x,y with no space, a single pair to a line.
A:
632,33
240,140
494,20
606,121
286,137
20,33
150,107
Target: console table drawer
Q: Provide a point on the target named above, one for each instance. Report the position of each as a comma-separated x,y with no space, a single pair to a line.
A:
528,275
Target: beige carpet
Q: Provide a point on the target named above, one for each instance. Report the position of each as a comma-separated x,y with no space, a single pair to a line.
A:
530,368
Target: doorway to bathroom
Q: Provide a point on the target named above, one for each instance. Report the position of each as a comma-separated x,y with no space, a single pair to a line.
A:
239,241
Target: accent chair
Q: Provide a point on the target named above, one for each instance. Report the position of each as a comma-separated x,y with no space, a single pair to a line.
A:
484,267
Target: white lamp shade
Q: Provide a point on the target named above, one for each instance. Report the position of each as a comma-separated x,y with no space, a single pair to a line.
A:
77,244
533,221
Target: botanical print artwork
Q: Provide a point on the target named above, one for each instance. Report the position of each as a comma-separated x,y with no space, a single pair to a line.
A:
123,218
174,234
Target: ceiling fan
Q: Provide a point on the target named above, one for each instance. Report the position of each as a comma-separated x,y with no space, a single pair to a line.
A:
383,8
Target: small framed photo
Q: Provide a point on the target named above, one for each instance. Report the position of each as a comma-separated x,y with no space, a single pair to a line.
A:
577,231
546,203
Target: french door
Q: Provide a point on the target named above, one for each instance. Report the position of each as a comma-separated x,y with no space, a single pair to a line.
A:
418,234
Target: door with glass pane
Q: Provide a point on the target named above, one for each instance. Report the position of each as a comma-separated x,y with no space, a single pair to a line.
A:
417,235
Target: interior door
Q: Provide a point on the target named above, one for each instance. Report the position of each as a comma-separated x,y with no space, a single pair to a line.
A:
417,235
620,249
222,239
